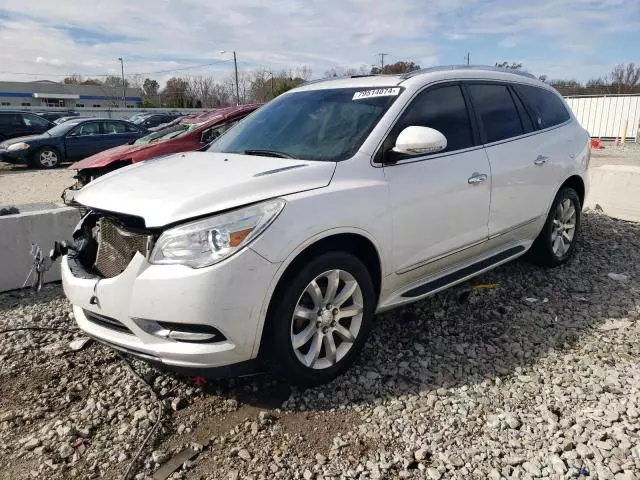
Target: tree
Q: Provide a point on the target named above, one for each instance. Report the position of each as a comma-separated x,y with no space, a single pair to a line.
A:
396,68
92,81
115,81
625,78
75,79
176,92
150,87
338,72
509,65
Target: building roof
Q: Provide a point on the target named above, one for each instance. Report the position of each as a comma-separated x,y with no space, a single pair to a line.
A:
88,92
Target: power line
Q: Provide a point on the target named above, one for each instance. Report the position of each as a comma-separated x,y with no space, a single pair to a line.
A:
109,74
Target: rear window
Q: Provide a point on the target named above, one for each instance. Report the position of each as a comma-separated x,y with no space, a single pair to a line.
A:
547,108
497,111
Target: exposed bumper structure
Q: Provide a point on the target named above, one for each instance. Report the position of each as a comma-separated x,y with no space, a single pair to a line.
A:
226,298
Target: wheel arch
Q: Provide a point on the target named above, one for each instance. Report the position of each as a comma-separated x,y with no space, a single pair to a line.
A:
355,242
577,183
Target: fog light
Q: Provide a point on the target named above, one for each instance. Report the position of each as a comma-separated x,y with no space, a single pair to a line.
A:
181,332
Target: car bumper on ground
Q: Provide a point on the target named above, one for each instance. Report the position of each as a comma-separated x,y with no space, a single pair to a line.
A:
228,296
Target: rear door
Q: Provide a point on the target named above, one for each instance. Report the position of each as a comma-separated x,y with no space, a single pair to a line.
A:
522,166
84,140
115,133
440,201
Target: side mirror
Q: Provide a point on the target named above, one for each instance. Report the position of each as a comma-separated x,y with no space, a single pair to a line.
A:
420,141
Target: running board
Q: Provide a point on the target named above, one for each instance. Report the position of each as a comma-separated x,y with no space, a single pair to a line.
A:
462,273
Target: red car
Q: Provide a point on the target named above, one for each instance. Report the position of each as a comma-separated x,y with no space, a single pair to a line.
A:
190,134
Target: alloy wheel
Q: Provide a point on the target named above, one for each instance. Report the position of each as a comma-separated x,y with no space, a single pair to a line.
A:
563,228
327,319
48,158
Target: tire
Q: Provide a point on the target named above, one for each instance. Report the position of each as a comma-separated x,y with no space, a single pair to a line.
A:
546,250
47,158
348,334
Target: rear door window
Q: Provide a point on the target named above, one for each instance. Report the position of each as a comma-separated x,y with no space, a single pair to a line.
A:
497,111
114,128
547,108
10,119
444,109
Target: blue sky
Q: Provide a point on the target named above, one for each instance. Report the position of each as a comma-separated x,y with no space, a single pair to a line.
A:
576,39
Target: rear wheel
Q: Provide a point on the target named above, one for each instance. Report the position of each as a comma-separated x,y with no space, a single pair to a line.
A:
319,321
47,157
557,240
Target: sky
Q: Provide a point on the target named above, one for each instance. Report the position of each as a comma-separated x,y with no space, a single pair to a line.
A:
577,39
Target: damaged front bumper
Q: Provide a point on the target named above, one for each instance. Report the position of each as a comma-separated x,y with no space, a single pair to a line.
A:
188,320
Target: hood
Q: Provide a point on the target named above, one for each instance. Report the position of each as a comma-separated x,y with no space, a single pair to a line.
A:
187,185
123,152
26,139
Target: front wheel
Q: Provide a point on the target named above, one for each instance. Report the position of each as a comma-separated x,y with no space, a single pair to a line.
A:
557,240
319,321
47,157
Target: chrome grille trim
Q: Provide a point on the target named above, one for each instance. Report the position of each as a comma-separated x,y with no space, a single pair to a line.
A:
116,247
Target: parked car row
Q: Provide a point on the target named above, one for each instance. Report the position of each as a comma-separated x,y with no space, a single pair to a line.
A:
274,248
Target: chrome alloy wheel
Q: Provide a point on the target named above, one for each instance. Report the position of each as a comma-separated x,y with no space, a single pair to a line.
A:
564,227
327,319
48,158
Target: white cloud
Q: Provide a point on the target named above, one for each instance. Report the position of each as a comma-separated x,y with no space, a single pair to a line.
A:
57,38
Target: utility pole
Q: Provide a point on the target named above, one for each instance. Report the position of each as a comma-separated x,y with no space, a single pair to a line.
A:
382,55
467,56
124,91
235,67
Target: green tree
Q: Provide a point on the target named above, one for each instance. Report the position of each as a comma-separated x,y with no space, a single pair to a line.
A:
509,65
176,92
396,68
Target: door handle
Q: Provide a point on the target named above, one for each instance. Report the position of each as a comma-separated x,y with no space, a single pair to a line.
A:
541,160
477,178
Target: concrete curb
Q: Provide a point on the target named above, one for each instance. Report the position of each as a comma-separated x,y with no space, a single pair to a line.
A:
18,232
616,188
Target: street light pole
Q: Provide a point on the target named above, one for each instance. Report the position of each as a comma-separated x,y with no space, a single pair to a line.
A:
124,91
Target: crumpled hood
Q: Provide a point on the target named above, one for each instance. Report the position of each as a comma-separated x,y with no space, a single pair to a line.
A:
171,189
122,152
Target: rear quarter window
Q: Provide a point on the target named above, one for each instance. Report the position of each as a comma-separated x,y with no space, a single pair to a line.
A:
547,108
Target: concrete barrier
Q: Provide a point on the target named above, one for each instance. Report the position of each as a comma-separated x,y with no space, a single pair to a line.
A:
616,188
19,231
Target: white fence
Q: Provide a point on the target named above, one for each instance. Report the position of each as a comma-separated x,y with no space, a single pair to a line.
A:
605,116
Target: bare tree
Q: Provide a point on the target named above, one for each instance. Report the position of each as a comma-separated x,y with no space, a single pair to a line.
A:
303,72
625,78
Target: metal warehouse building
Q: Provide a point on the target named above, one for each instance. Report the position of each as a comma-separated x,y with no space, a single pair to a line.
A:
45,93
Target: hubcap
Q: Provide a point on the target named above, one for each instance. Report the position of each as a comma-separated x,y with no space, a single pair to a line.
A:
48,158
564,227
327,319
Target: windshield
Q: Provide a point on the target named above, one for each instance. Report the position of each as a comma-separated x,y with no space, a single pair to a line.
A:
325,125
61,129
168,133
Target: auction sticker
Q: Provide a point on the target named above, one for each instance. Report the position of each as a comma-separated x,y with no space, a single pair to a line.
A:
378,92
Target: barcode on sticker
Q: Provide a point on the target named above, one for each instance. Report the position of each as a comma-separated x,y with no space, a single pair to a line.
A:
378,92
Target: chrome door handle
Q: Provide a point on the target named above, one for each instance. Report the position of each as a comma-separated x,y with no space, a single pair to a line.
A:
477,178
541,160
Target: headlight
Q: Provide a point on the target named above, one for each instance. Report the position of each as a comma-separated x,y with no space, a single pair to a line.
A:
17,146
205,242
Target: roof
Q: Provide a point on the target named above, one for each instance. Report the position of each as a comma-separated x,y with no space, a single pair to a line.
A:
437,73
220,113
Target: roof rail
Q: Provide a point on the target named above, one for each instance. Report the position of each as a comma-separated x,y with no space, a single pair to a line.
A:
467,67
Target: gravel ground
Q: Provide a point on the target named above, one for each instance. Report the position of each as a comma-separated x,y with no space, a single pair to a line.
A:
537,378
20,185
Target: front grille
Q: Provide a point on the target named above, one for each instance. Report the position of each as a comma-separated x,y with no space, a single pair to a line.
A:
106,322
116,247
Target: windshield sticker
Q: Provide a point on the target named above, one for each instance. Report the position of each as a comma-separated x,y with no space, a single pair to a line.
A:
378,92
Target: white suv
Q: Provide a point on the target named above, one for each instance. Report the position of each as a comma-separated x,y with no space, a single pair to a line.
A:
339,199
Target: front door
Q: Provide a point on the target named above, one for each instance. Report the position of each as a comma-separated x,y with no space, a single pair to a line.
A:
440,202
82,140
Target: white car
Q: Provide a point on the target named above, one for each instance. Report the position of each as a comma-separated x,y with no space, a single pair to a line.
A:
275,248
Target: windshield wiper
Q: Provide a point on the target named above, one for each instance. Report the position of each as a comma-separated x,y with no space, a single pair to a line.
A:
269,153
